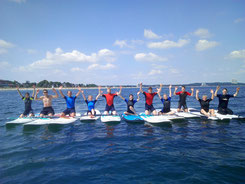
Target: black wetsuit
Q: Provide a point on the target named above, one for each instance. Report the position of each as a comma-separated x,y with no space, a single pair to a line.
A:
28,102
205,104
182,99
223,104
130,103
166,105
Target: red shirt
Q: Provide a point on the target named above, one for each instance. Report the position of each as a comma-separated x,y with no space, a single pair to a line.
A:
149,97
109,98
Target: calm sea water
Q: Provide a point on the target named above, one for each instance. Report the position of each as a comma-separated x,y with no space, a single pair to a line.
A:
191,151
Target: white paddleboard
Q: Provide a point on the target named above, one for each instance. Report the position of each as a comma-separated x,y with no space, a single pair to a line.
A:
110,118
154,119
171,116
48,121
185,114
88,117
20,121
196,112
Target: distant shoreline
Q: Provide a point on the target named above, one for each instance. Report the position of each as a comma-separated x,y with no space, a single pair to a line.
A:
116,87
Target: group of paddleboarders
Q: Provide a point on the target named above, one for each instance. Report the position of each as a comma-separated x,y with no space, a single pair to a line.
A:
109,96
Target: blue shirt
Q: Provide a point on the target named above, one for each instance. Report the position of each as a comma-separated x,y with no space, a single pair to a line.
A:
90,104
70,101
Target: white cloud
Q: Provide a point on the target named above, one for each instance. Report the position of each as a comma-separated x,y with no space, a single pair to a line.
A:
96,66
4,65
150,35
18,1
31,51
5,44
168,44
76,69
61,58
237,54
174,70
205,44
121,43
238,20
149,57
155,72
202,33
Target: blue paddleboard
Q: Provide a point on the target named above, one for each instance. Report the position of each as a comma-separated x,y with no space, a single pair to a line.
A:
132,118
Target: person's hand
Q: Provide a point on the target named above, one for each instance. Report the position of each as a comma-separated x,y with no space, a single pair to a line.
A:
197,91
141,84
82,91
237,89
99,87
138,93
60,87
37,91
158,90
218,87
120,87
192,89
34,86
161,85
176,88
79,88
170,86
211,91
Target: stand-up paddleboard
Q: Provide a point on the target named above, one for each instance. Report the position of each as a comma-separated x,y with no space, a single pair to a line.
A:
21,120
132,118
87,117
48,121
154,119
171,116
110,118
185,114
197,112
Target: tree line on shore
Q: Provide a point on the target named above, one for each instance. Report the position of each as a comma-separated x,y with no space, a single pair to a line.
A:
41,84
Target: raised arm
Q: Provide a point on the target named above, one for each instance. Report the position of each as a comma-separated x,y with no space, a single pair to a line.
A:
83,95
212,92
99,94
197,94
61,93
18,90
79,91
138,95
34,88
141,90
192,91
120,91
35,98
175,90
170,91
159,89
159,93
120,96
56,94
216,91
237,90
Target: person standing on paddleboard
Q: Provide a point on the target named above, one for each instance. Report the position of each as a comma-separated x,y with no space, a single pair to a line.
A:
47,102
28,101
130,102
224,100
204,102
166,101
70,102
91,103
149,99
182,97
109,101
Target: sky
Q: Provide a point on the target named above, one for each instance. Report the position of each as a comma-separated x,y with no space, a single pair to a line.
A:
125,42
